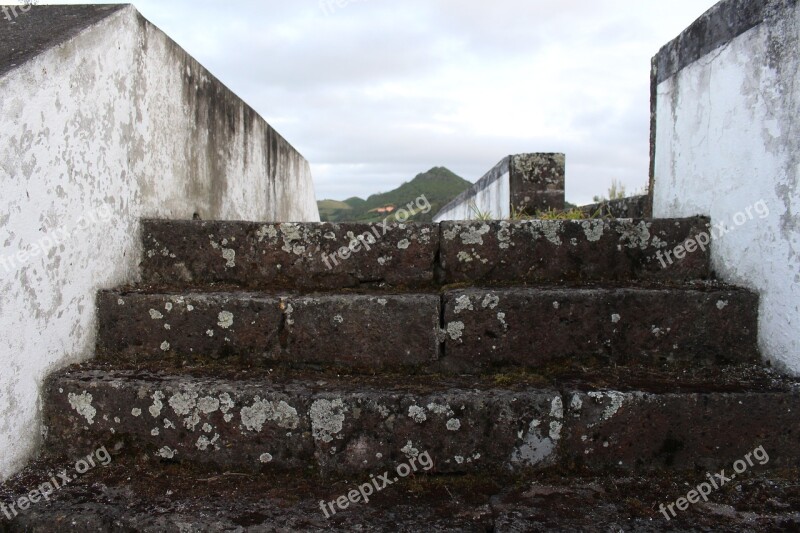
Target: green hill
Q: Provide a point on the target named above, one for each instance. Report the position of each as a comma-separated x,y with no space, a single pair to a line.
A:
439,186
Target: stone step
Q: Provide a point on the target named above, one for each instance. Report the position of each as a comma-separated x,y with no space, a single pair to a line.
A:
121,496
258,256
459,331
573,250
345,427
491,328
257,329
289,255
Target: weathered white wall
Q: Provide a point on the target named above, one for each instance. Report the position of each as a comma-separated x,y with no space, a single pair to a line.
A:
728,136
490,195
114,125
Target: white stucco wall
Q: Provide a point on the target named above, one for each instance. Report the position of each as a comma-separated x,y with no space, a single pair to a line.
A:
727,137
494,199
114,125
490,195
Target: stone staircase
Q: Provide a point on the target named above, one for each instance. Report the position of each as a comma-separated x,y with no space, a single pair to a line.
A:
302,359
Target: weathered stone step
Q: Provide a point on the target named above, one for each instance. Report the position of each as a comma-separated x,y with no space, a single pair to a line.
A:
481,329
120,496
289,255
246,329
489,328
262,256
339,427
573,250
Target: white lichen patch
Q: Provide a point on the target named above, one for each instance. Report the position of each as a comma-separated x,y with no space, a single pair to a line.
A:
383,301
440,409
203,443
280,413
268,231
225,319
593,229
459,459
722,304
165,346
155,432
490,301
576,403
155,409
183,402
208,405
229,256
168,424
464,257
557,407
207,428
635,236
156,315
168,306
136,412
409,450
327,419
450,234
417,414
210,332
339,319
167,453
404,244
455,330
474,235
226,403
615,401
535,448
83,405
266,458
501,317
463,303
615,318
550,229
454,424
556,305
555,430
660,332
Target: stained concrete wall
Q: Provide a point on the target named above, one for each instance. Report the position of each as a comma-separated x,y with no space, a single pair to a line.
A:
490,195
522,183
727,145
103,121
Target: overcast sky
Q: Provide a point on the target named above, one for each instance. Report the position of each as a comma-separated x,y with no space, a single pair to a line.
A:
373,92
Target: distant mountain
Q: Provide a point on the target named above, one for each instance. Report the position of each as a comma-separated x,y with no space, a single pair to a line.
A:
439,186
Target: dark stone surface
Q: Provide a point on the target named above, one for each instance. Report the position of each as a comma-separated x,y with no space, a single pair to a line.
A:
631,207
40,28
533,327
537,182
122,498
569,250
705,432
244,329
296,256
